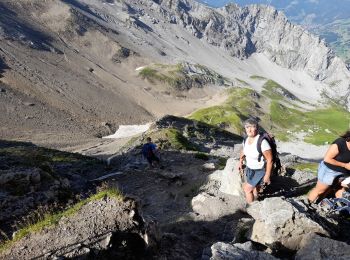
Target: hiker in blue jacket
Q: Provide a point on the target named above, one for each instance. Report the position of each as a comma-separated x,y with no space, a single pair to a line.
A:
258,170
149,151
336,163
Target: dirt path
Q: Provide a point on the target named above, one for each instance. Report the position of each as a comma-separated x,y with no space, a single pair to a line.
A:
167,201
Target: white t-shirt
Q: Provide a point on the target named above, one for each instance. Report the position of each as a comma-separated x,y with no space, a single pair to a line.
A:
251,153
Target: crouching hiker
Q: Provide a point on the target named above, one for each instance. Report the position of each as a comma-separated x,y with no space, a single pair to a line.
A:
149,151
258,170
335,164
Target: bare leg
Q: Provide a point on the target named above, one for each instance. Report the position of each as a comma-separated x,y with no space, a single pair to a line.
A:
320,189
256,193
248,190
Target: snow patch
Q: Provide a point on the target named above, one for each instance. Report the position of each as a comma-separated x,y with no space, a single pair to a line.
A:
129,130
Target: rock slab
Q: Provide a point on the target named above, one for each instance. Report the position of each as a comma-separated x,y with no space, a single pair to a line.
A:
279,223
223,251
314,247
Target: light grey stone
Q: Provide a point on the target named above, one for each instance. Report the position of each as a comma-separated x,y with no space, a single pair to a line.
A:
208,166
223,251
278,221
230,179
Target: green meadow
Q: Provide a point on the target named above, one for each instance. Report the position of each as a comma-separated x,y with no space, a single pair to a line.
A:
280,114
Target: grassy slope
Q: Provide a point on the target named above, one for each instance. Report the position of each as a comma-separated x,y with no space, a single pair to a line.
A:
239,104
178,76
284,118
172,138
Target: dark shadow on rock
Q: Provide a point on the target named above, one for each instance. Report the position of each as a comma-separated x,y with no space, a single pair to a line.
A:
16,29
7,144
280,186
77,5
3,67
143,26
121,245
188,239
83,7
86,17
36,180
124,245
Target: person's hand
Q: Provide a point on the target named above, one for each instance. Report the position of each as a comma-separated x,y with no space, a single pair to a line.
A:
267,180
239,165
347,166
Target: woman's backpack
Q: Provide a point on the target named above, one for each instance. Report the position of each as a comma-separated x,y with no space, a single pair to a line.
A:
272,142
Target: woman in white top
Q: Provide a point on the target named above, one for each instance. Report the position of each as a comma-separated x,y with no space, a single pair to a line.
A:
256,172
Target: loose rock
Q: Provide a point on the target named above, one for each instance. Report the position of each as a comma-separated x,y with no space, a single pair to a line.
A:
279,222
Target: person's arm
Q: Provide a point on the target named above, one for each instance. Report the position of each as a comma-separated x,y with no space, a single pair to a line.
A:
241,159
331,154
154,147
269,162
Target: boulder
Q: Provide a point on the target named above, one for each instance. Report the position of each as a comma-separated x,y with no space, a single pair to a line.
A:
208,166
212,207
225,251
222,194
302,177
314,246
231,180
279,222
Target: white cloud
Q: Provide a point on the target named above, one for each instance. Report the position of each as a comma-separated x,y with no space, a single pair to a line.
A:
295,2
308,19
314,1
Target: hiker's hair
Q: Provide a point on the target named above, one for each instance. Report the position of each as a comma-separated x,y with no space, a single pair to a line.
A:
251,121
346,135
148,139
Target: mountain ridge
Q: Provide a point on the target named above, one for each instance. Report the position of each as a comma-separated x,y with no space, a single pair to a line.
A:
277,43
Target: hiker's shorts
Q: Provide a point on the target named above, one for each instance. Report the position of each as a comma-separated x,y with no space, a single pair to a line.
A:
326,175
254,177
152,158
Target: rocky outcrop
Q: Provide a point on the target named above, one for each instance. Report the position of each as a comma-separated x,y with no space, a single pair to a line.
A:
314,246
222,195
278,223
221,251
103,228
